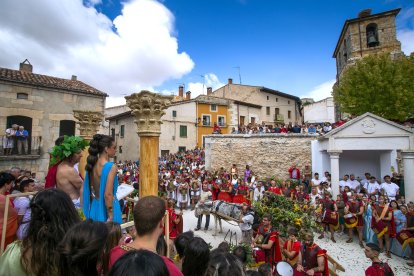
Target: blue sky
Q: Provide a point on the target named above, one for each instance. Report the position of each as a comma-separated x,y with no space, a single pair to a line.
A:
284,45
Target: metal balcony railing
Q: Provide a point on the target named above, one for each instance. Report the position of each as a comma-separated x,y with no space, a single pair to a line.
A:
31,146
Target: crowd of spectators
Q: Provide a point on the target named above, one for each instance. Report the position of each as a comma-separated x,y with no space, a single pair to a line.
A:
306,128
97,248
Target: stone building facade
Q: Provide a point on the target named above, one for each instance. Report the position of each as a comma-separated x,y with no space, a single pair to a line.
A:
268,155
178,131
47,107
264,104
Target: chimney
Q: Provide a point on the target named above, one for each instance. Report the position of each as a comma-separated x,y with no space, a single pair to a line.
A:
209,91
230,81
188,95
74,78
181,91
25,66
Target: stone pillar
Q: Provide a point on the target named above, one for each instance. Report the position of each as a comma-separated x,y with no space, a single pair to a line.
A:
148,108
408,165
334,156
89,122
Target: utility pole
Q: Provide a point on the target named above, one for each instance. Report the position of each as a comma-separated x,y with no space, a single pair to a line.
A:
238,68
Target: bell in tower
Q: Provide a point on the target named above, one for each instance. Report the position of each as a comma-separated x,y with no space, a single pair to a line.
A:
372,38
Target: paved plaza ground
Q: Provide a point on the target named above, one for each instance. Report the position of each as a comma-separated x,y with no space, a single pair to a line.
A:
350,256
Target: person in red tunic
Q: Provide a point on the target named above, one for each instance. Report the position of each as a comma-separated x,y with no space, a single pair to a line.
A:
377,268
291,248
382,220
274,189
242,193
312,260
300,194
410,228
174,220
225,190
329,209
267,241
354,209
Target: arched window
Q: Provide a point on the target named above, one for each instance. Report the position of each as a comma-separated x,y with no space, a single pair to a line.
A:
372,35
67,127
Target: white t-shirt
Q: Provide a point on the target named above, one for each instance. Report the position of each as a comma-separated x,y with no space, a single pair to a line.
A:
247,222
258,194
354,185
344,183
371,187
391,189
316,182
22,206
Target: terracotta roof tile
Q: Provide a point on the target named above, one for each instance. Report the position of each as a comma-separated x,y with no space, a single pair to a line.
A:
18,76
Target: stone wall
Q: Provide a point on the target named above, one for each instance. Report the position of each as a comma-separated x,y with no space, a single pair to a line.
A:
268,155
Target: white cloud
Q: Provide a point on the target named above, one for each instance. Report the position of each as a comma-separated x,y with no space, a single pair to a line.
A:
114,101
406,34
321,91
406,37
198,88
64,38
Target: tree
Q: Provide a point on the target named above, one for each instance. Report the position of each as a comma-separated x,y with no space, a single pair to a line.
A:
380,85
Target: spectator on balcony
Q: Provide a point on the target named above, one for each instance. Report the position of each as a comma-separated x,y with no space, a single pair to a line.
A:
22,136
8,139
216,129
312,129
327,127
296,128
277,128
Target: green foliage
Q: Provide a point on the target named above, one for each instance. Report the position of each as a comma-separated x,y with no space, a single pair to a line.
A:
379,85
286,213
69,146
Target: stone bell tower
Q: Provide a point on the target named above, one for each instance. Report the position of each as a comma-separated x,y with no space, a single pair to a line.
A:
365,35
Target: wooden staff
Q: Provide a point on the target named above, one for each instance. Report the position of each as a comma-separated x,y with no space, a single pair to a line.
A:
167,232
6,217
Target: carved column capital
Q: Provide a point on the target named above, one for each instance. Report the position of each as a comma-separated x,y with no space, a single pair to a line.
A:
89,122
148,108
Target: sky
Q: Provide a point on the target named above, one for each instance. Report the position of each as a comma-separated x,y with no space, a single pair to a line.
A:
123,47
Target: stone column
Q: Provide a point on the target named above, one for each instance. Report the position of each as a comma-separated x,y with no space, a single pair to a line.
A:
408,165
148,108
334,156
89,122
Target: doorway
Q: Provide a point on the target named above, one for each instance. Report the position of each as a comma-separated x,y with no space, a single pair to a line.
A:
26,122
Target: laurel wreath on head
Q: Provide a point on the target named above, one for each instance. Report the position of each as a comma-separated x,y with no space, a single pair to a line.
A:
69,146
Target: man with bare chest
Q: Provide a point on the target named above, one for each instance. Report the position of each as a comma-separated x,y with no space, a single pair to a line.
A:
68,179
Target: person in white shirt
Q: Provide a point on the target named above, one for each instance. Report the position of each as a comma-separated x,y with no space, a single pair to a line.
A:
258,192
372,187
22,206
315,181
389,188
366,180
204,203
354,184
325,177
246,222
313,196
344,182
